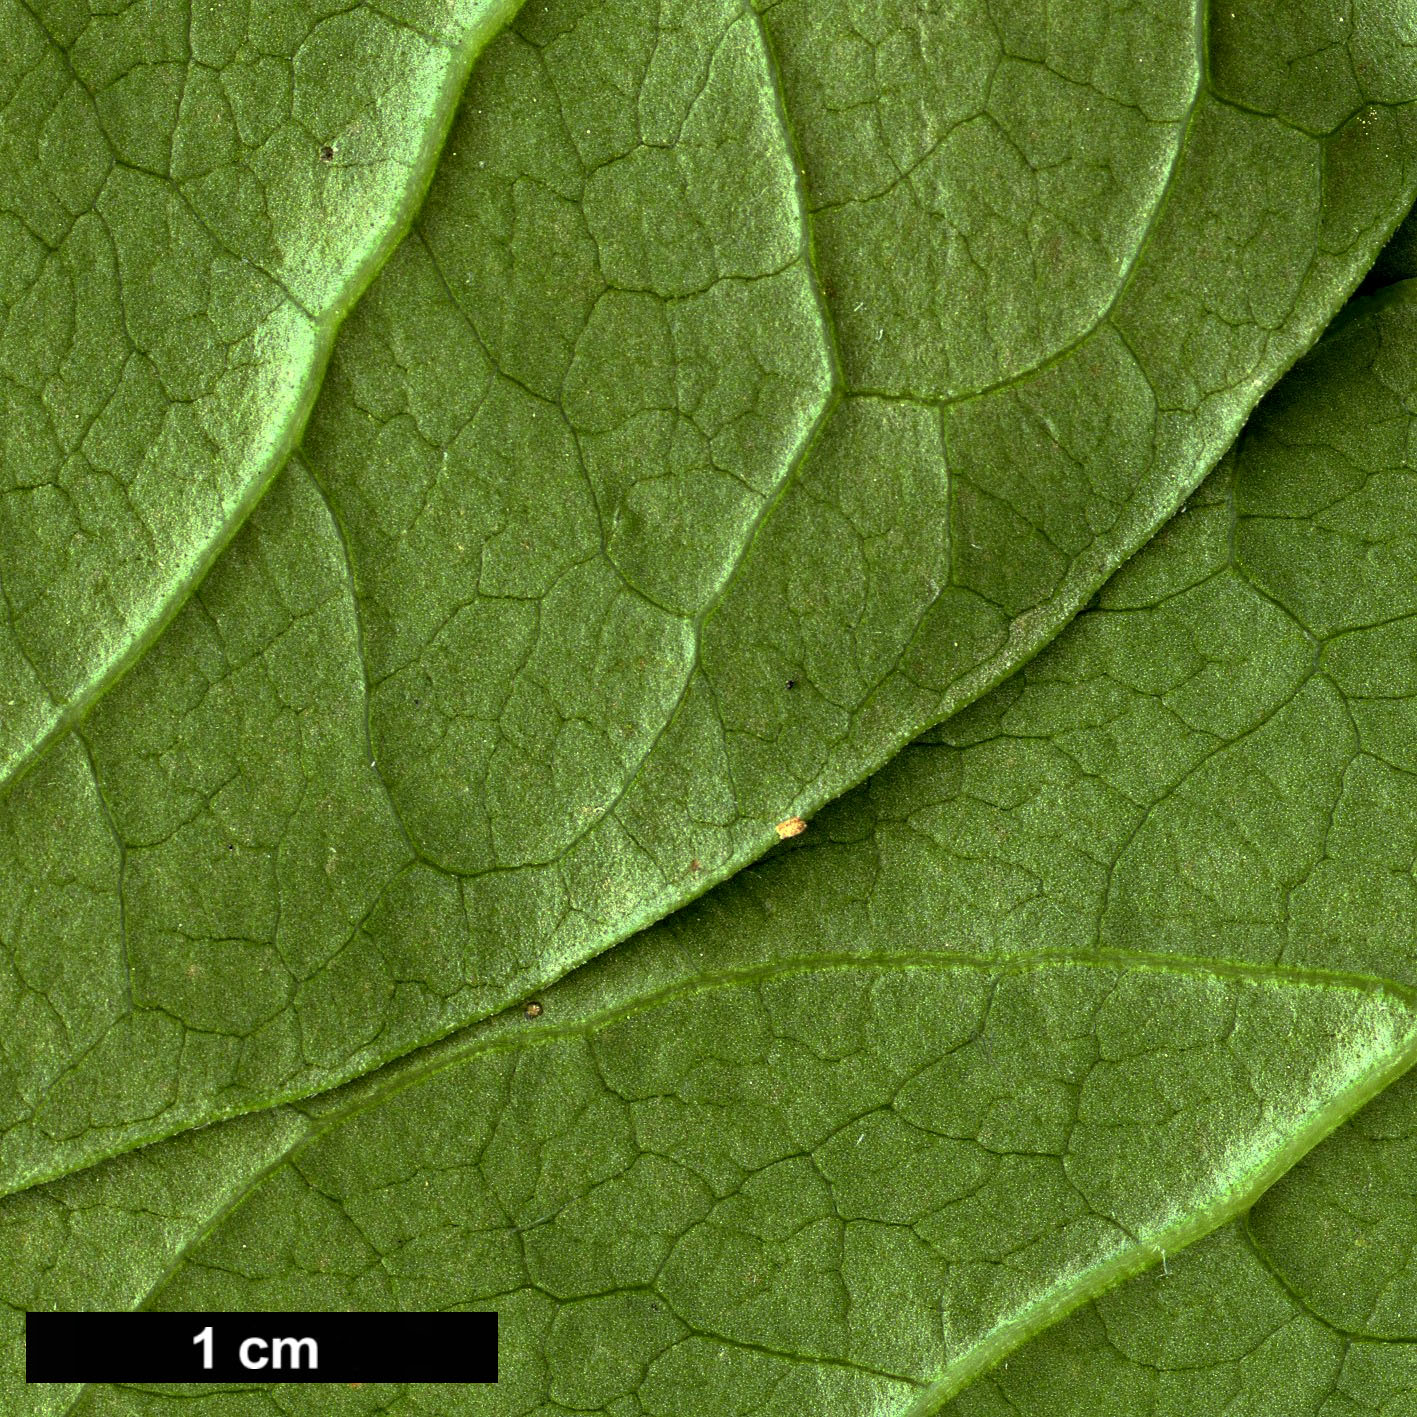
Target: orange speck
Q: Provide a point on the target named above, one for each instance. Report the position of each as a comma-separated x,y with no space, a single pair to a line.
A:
793,826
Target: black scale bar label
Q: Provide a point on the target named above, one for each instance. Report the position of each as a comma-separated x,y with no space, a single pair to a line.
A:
260,1348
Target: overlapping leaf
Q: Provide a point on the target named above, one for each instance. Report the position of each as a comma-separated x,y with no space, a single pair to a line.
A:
826,1188
754,389
1213,1332
1064,940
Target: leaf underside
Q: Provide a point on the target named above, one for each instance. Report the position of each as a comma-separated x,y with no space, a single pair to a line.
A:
700,1148
646,507
648,502
1216,1331
191,198
842,1187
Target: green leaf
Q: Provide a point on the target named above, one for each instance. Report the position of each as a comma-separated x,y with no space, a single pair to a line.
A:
1396,261
190,200
1213,1332
1339,1231
834,1187
648,505
104,1239
1065,986
999,1033
755,505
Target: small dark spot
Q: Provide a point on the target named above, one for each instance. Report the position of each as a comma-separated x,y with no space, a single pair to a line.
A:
791,683
532,1010
327,153
695,867
231,846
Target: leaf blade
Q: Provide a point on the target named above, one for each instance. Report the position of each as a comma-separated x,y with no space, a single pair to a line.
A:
917,861
592,687
746,1128
196,249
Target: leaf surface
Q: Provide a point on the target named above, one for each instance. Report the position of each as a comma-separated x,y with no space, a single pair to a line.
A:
1135,909
1214,1332
190,199
793,392
646,507
1338,1233
105,1238
839,1187
863,1180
